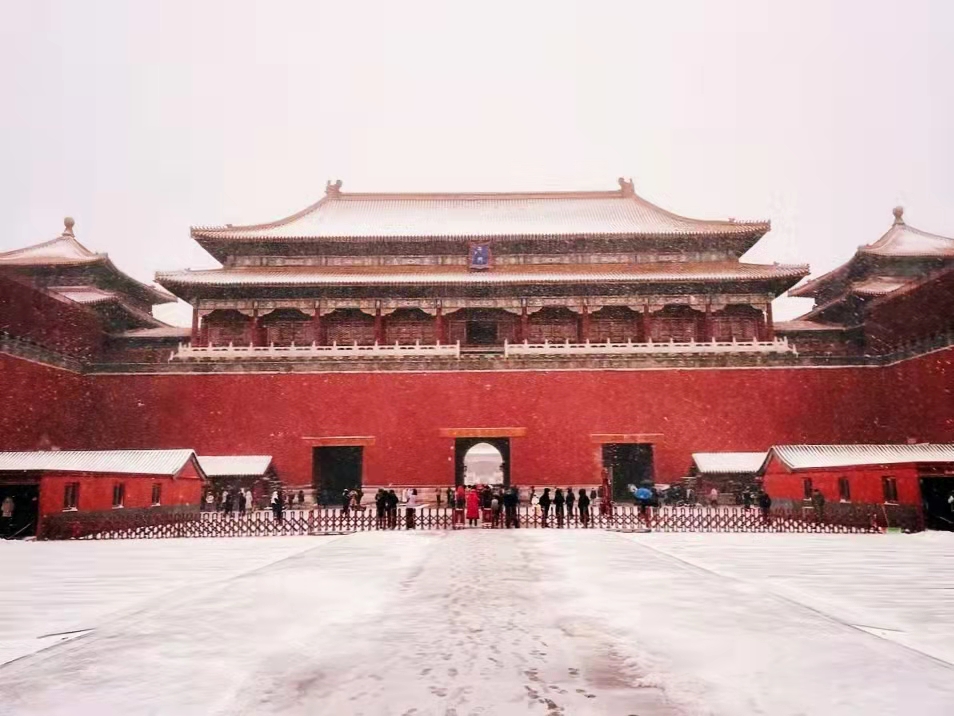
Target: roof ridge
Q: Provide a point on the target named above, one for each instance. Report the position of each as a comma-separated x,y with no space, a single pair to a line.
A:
333,193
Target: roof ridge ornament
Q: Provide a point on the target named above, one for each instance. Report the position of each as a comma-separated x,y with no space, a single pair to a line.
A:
626,187
68,224
898,212
333,190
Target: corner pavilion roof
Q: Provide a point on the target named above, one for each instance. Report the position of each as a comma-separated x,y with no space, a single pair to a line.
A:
899,242
470,215
64,252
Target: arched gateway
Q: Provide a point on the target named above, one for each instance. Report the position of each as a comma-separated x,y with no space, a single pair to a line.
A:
470,451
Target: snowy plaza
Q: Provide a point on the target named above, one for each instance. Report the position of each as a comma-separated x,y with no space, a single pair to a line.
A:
477,622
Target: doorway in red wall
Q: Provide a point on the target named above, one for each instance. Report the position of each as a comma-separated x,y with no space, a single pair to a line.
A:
628,464
935,495
19,509
463,445
336,469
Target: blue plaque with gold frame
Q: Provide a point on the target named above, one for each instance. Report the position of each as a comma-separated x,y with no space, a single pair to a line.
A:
479,257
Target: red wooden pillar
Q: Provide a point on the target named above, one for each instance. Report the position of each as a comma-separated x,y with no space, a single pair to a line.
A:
583,326
769,323
255,326
316,327
195,327
204,331
524,324
378,324
439,325
647,324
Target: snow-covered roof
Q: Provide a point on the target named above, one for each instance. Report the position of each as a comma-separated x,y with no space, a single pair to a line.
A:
597,273
877,286
84,294
235,465
62,250
727,463
802,457
799,325
356,215
138,462
158,332
900,241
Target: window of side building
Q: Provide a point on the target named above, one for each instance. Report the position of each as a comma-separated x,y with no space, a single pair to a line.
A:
890,487
71,496
844,489
119,494
156,494
807,488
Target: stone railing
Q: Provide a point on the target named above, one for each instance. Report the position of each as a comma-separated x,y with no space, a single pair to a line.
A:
187,351
779,345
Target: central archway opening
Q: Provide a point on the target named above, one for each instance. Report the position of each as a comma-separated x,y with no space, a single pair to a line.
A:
483,461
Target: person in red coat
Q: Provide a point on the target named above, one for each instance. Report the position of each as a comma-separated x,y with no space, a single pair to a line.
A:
473,507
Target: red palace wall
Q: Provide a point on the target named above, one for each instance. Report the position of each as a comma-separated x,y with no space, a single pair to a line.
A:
41,406
688,410
919,401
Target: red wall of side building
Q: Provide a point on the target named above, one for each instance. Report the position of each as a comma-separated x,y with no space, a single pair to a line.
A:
96,490
686,411
865,483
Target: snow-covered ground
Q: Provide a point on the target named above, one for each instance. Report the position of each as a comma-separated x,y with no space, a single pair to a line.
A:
479,622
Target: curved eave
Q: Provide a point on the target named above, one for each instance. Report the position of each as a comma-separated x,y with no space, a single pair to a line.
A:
783,275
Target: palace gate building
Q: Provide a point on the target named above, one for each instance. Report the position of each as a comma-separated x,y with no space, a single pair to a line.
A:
376,338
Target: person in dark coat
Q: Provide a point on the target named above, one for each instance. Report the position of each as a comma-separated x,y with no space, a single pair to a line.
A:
301,497
381,509
570,500
227,504
584,504
278,506
391,507
559,504
510,507
765,505
818,502
545,502
241,503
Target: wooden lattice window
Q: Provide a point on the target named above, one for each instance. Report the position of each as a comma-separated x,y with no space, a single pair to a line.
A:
844,489
71,496
889,486
119,494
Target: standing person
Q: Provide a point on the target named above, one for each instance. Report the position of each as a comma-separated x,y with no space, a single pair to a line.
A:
437,494
584,504
765,505
227,504
301,498
473,507
713,497
6,515
495,508
380,509
570,500
746,499
510,508
241,503
410,511
460,502
278,506
545,503
450,497
249,501
391,506
559,504
818,502
209,502
532,497
346,502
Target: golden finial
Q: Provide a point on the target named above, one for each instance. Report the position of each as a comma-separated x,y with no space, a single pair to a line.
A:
898,215
68,224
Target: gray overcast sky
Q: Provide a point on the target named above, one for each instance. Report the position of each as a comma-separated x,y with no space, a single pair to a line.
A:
141,118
